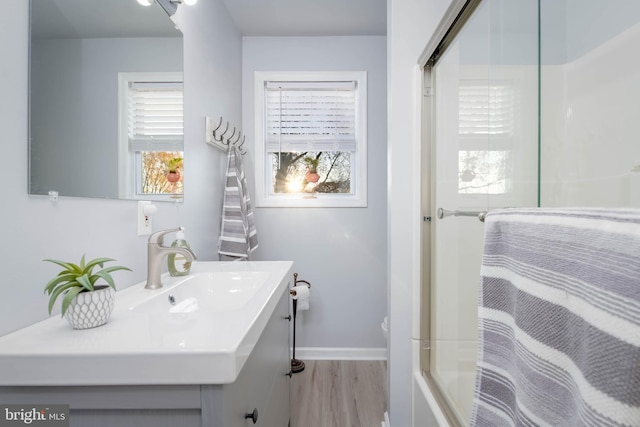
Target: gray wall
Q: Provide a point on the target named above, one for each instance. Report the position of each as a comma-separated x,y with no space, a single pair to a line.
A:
35,228
341,251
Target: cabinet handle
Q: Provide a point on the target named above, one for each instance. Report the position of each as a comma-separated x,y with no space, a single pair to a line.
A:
288,318
289,374
253,416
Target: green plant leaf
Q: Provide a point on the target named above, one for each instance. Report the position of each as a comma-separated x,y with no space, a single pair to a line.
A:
58,291
106,276
68,297
64,277
97,261
116,268
85,282
66,265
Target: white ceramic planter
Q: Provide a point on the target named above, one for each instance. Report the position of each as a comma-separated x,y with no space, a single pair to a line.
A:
91,309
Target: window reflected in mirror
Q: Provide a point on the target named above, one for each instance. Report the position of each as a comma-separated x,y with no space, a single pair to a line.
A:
151,136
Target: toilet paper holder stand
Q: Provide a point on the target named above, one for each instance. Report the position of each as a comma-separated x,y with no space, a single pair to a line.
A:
295,283
296,364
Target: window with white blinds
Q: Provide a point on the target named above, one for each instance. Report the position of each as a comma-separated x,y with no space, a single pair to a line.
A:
155,116
486,109
311,139
150,134
311,116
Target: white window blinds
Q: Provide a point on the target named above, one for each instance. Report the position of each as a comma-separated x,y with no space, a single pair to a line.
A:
155,116
310,116
486,109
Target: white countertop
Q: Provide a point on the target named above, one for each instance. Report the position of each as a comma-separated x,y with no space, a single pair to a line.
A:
147,346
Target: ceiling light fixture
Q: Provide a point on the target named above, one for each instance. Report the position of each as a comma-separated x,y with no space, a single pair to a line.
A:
169,6
174,2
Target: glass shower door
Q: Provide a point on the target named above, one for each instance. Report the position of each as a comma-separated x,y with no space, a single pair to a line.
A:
484,156
590,85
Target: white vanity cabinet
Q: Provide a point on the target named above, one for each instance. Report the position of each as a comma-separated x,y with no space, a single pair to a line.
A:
262,384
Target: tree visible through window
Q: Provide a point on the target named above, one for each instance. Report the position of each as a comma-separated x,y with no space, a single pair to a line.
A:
293,172
156,167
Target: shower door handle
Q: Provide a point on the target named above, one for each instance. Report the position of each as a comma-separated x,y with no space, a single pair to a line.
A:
443,213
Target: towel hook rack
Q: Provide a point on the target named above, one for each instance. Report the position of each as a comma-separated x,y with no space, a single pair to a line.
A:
219,139
236,141
226,129
232,135
213,132
242,151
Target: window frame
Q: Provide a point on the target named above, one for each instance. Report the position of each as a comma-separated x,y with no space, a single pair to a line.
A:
130,162
263,182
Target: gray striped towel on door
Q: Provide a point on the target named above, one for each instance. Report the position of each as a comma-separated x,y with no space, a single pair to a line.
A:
559,319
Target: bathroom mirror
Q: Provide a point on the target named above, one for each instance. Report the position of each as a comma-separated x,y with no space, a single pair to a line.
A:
79,52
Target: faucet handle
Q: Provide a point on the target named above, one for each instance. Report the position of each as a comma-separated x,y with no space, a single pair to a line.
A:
158,236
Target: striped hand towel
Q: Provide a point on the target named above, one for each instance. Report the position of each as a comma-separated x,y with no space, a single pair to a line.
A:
559,319
238,237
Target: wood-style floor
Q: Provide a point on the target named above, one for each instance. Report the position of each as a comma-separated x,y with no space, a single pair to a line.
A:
339,393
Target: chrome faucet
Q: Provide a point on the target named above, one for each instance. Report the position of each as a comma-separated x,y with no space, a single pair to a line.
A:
156,252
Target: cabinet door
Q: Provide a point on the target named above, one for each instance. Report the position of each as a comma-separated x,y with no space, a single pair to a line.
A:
262,383
275,405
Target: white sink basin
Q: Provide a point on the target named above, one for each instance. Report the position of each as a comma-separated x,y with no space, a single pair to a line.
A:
218,291
220,311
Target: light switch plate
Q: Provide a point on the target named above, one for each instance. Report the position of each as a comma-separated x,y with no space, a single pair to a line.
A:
144,220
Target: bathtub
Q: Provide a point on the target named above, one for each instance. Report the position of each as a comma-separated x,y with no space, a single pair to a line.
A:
426,410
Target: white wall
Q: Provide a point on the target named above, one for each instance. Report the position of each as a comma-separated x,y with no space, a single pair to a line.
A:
77,117
35,228
590,153
410,26
341,251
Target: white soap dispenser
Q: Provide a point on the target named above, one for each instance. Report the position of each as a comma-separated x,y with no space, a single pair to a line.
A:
177,263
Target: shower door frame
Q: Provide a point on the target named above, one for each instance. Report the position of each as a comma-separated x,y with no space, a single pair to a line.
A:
450,25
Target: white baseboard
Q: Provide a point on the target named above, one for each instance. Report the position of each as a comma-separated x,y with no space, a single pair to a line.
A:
341,353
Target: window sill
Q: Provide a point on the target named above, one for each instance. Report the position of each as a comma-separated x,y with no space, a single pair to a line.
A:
307,201
177,198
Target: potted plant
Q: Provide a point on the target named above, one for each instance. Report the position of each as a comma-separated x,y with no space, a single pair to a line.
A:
173,174
88,296
312,168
